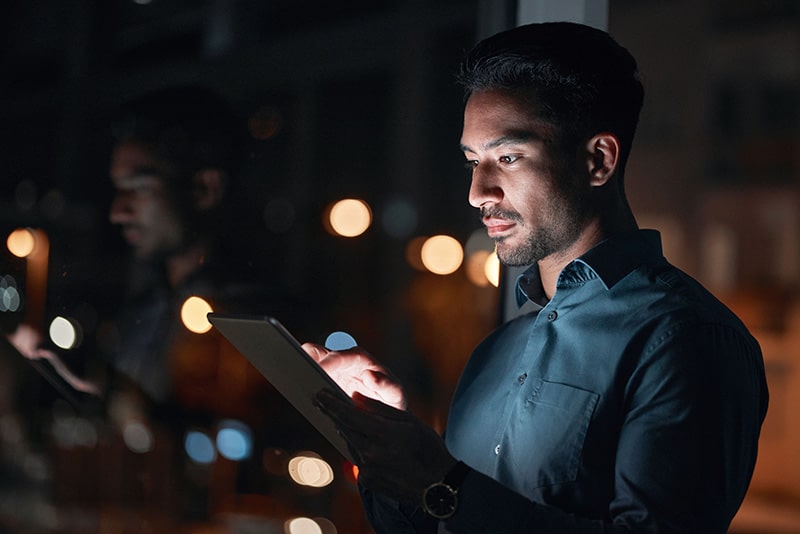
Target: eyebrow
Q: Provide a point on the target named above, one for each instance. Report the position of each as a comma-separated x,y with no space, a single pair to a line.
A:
512,138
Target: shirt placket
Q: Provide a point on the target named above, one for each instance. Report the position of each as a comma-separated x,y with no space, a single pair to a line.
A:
519,375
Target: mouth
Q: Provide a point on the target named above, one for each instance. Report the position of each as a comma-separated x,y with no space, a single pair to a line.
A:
497,227
132,235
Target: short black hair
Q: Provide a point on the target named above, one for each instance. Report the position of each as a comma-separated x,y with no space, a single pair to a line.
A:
581,79
188,128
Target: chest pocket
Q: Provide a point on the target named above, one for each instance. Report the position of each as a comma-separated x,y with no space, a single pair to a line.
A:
545,437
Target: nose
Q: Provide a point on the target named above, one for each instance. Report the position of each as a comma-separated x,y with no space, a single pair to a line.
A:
484,189
121,209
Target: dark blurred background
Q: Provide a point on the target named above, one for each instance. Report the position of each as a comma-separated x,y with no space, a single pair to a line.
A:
356,99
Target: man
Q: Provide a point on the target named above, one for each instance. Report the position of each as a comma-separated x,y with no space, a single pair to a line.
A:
628,399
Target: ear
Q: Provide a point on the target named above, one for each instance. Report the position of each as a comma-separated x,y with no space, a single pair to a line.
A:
209,188
603,158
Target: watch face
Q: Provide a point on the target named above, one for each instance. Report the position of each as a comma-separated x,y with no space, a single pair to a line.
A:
440,501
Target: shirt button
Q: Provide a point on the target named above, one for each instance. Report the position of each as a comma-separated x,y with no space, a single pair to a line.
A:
497,449
552,316
521,378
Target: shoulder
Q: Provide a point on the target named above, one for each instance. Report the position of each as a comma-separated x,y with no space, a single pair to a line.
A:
663,294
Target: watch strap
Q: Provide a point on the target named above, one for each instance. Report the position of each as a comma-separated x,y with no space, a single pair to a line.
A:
455,477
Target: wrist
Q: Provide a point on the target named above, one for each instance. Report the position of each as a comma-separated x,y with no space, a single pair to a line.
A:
440,499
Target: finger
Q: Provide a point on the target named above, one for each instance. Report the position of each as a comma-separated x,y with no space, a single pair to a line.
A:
317,352
358,359
386,388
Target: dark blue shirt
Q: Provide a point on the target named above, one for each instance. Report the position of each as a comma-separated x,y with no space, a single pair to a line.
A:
631,401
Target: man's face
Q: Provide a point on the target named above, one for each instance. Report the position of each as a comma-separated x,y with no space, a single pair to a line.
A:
142,204
530,191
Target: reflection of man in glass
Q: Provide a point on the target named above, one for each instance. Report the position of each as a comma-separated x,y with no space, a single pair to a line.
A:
147,207
173,158
172,166
181,204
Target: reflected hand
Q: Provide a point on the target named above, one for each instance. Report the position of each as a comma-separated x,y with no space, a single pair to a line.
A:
26,340
397,454
356,371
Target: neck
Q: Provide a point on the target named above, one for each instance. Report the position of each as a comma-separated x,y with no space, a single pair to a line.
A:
618,220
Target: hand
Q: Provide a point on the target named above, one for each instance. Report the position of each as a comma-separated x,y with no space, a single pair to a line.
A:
26,340
396,453
355,370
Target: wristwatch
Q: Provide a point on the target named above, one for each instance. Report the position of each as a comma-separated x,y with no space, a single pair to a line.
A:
440,499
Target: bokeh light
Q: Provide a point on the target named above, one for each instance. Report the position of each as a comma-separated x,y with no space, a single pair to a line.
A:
302,525
20,242
340,341
234,440
414,252
482,266
476,268
69,430
350,217
193,315
492,269
10,298
138,437
199,447
308,469
442,254
64,333
325,525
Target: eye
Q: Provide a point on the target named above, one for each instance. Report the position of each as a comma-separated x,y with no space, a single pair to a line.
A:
470,164
508,159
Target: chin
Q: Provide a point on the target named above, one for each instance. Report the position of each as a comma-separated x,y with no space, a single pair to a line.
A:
511,256
142,254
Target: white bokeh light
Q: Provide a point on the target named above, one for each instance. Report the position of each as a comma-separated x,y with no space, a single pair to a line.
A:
302,525
310,470
63,333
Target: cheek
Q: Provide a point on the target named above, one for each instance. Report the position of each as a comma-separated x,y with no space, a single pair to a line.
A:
529,201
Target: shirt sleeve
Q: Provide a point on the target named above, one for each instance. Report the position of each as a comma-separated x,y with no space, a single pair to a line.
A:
388,516
693,414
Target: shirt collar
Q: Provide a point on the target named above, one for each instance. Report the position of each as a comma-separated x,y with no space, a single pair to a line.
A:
610,260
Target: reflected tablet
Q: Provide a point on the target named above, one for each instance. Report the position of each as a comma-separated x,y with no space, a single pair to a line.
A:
284,363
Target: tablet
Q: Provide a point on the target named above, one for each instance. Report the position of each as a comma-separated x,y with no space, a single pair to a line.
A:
284,363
